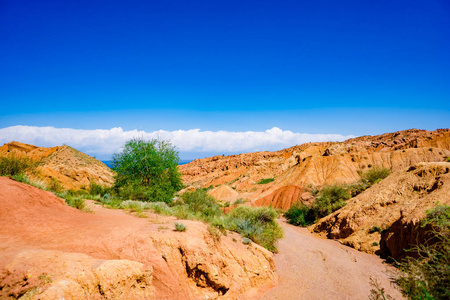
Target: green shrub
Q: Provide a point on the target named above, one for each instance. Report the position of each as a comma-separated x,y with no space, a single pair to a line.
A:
238,201
111,202
266,180
161,208
246,241
13,165
357,188
200,202
330,199
428,275
76,202
257,224
135,206
147,171
180,227
215,233
298,215
97,189
374,229
447,158
55,186
375,175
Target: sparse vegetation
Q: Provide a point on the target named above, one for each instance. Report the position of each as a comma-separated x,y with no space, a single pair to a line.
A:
257,224
97,189
427,276
332,197
246,241
238,201
378,292
202,204
447,158
329,199
180,227
266,180
216,234
12,165
374,229
374,175
76,202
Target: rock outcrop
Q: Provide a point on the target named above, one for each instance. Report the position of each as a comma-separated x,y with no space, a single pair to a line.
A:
388,214
317,164
284,197
62,165
51,251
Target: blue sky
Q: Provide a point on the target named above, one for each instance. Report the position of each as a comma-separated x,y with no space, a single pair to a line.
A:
317,67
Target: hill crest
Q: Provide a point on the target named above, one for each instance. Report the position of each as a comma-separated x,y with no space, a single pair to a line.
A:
70,168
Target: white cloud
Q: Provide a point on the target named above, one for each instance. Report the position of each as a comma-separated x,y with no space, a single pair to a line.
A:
104,142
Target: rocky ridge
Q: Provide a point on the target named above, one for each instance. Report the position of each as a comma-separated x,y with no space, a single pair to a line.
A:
62,165
388,214
315,164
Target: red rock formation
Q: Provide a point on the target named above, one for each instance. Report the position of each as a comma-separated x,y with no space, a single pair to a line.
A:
283,197
318,164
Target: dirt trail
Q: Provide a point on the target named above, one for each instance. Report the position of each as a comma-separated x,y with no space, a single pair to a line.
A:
313,268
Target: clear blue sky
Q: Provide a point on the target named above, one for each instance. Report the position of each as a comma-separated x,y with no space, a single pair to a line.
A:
346,67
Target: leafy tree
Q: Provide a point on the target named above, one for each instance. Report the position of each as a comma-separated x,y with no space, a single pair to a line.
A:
147,170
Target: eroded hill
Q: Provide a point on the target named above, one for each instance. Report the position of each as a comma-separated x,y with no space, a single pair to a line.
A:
62,165
51,251
388,213
313,165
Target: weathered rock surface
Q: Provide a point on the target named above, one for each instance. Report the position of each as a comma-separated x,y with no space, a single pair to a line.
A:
397,203
64,165
284,197
317,164
49,250
224,193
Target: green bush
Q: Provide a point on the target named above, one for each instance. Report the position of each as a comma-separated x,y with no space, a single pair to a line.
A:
357,188
257,224
161,208
147,171
200,202
374,229
428,275
180,227
135,206
375,175
13,165
266,180
76,202
330,199
97,189
21,177
298,215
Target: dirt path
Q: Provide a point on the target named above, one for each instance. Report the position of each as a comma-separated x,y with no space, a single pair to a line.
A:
313,268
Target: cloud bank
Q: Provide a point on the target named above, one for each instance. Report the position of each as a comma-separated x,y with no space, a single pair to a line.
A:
104,142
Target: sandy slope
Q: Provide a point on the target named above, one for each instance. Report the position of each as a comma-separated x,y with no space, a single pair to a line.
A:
61,252
313,268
